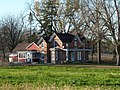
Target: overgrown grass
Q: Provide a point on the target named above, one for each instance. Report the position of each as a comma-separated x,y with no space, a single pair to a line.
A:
53,87
60,76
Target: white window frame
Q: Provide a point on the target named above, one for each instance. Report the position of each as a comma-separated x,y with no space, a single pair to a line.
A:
42,44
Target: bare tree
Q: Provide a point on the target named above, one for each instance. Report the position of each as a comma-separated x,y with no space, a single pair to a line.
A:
93,22
3,44
108,12
12,28
111,17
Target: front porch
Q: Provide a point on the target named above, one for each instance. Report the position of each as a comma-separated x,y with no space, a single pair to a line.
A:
59,55
81,55
28,56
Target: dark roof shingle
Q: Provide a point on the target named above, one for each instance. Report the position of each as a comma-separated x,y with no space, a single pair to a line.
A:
21,47
46,39
65,37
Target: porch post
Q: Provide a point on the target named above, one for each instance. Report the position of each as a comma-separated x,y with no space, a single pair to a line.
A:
74,55
67,55
31,56
91,54
18,56
56,53
53,56
84,54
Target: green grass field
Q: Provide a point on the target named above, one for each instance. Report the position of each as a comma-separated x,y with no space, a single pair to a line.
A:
67,77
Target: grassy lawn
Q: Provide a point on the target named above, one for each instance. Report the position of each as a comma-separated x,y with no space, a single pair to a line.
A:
67,77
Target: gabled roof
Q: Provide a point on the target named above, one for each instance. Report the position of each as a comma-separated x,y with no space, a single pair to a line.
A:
32,46
20,47
64,37
45,38
81,36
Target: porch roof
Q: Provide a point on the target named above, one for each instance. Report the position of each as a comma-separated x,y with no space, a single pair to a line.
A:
74,49
84,49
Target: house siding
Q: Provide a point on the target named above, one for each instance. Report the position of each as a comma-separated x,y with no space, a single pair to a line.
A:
32,47
22,60
44,50
58,41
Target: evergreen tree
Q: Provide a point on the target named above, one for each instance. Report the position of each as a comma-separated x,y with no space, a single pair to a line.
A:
46,15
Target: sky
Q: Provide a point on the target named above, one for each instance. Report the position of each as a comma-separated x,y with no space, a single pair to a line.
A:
13,7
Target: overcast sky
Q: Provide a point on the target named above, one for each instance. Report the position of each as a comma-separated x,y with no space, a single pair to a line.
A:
13,7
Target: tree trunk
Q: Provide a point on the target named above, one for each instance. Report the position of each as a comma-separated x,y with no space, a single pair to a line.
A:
93,51
99,51
4,55
114,55
3,60
117,49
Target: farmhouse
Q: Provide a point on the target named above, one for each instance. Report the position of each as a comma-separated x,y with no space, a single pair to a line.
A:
58,48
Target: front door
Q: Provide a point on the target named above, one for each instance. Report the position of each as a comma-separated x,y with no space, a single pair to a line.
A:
29,57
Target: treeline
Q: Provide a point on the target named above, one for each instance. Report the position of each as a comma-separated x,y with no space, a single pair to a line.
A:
97,20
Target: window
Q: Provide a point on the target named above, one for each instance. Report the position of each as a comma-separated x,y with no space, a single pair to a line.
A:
56,55
22,55
79,55
55,44
38,54
42,44
34,55
42,55
72,56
